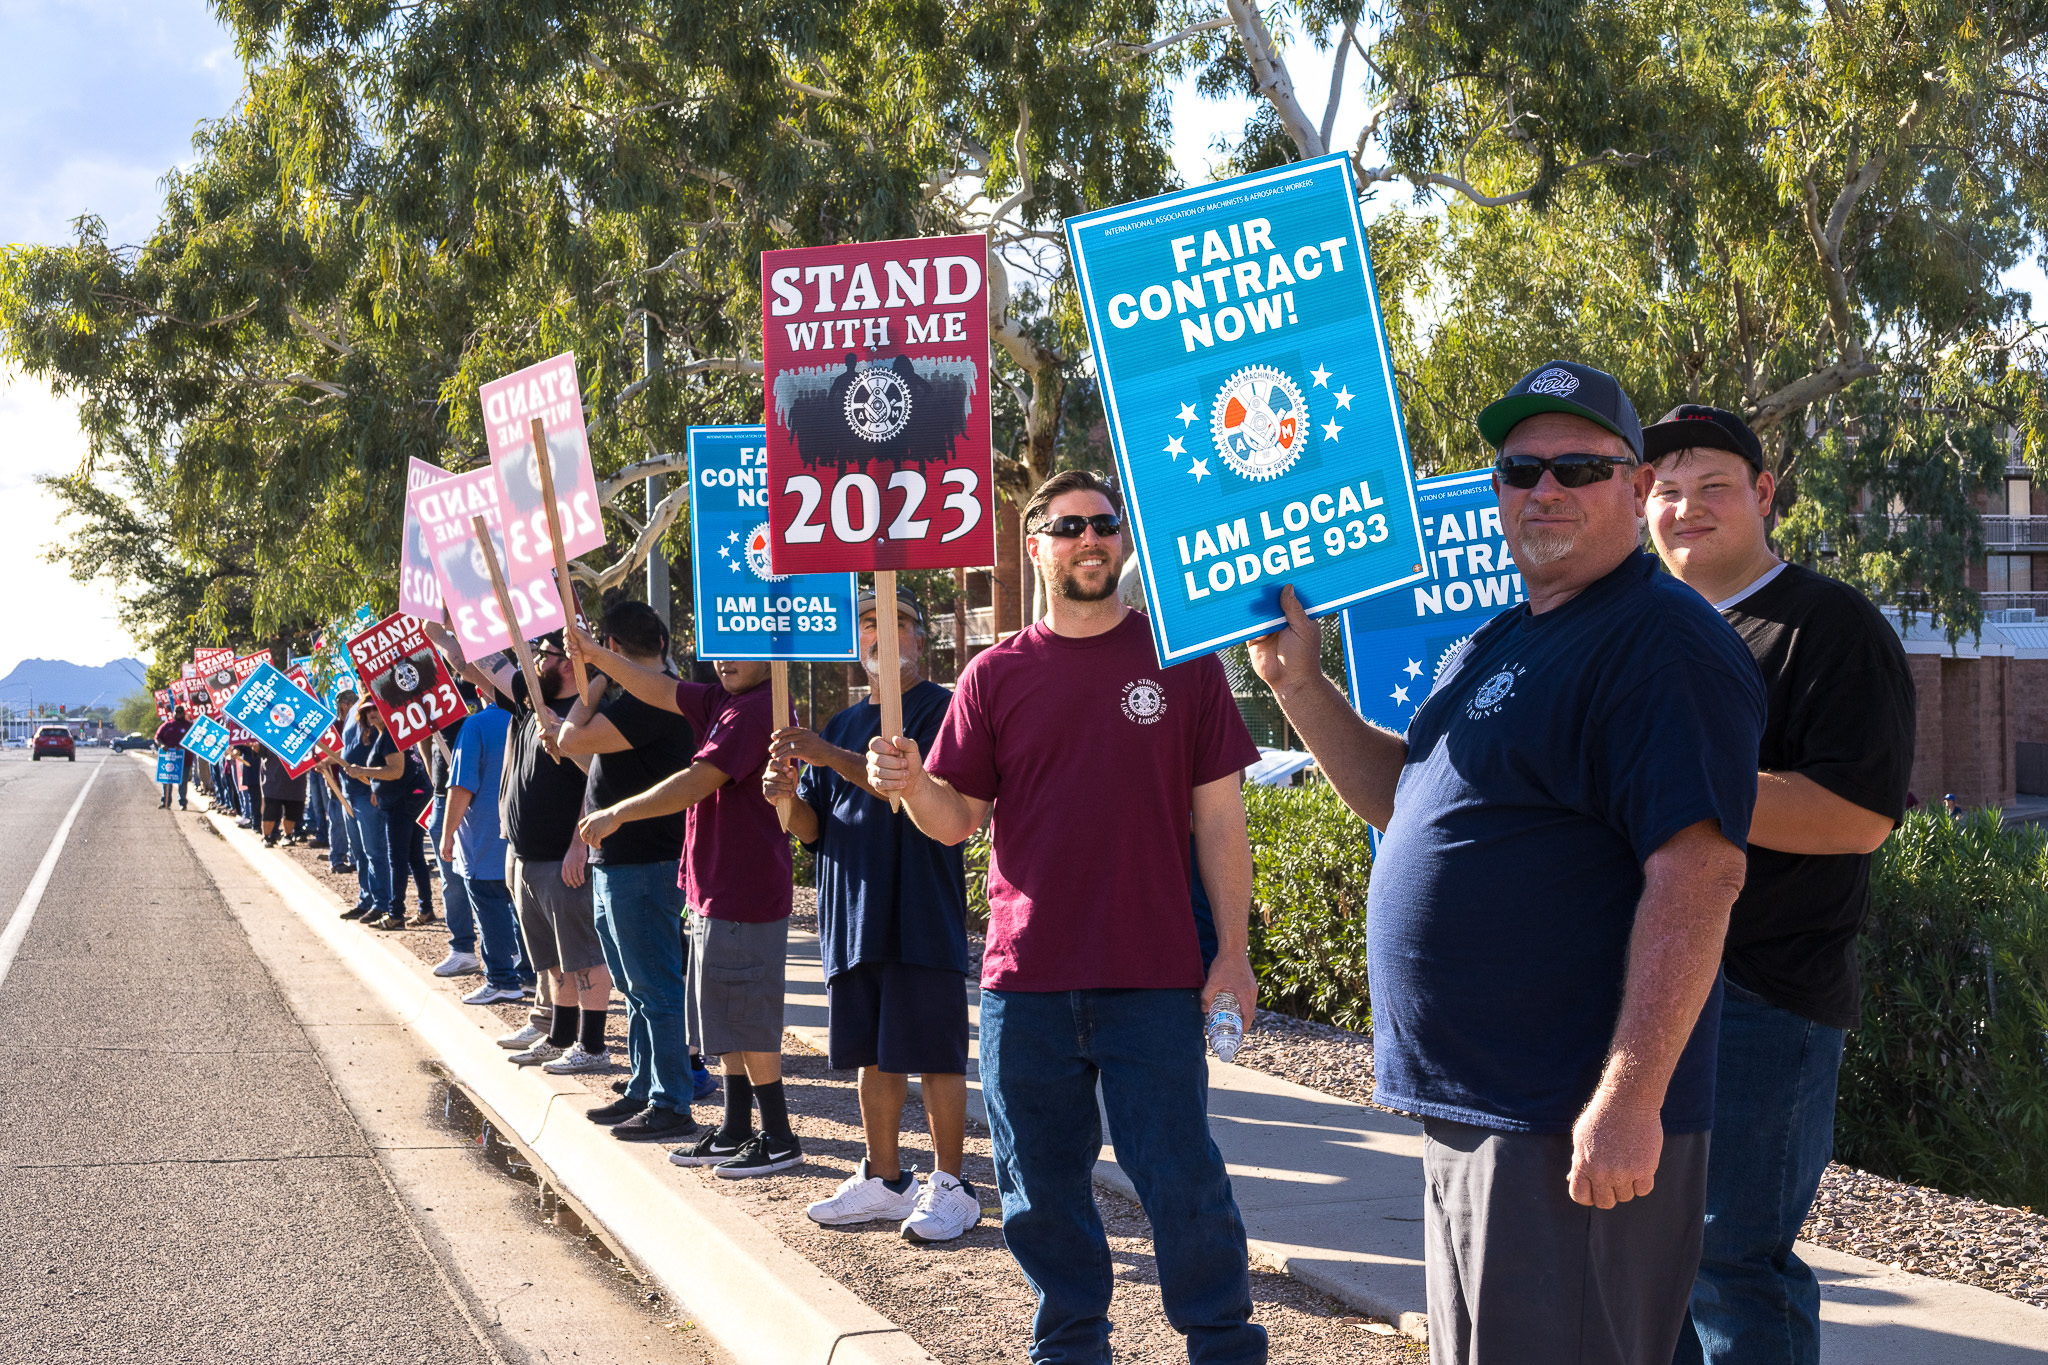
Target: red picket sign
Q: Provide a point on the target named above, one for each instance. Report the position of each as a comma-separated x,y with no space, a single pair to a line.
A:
877,380
164,704
406,679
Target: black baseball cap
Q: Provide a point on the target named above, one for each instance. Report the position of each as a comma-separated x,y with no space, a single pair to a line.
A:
1564,386
1691,425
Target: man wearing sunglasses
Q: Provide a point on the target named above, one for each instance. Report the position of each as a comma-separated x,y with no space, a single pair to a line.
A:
1098,766
1836,756
1565,822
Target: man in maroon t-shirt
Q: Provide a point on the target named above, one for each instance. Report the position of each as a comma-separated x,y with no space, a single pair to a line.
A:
735,874
1098,765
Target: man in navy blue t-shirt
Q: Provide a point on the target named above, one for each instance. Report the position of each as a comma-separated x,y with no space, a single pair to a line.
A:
1565,825
892,926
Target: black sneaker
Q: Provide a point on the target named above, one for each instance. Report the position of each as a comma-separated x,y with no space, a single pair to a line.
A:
618,1087
709,1150
655,1124
356,912
761,1155
618,1111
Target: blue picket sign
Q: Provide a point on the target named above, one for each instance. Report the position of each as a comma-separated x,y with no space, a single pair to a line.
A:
207,738
745,610
1250,393
1396,646
284,717
170,766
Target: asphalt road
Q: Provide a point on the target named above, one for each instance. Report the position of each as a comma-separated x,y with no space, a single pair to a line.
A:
179,1180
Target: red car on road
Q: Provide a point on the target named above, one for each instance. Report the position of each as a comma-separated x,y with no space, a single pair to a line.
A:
56,741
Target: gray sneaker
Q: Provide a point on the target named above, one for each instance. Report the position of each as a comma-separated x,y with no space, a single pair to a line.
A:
525,1038
575,1060
541,1052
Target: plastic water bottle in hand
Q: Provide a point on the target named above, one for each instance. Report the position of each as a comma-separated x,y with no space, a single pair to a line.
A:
1225,1026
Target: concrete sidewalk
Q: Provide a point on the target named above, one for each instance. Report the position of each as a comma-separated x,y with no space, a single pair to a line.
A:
1331,1192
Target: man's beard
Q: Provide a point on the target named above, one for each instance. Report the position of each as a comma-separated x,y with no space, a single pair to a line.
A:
1543,545
1064,584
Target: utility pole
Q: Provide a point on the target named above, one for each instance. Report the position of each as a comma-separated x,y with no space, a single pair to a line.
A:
657,487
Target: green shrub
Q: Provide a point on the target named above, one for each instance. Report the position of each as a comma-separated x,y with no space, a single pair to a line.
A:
1311,863
1946,1081
975,852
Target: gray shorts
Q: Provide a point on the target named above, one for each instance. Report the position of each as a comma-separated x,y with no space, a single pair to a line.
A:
1520,1275
736,973
556,921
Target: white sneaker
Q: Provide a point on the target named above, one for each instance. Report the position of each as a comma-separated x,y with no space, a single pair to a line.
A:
542,1051
576,1059
458,964
525,1038
864,1198
946,1208
487,994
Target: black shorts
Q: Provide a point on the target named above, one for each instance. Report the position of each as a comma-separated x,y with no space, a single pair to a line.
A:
898,1018
276,808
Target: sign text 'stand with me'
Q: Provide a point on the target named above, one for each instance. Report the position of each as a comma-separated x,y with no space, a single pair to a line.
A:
877,377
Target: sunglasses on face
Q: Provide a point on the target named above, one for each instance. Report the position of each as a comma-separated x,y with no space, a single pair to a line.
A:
1571,471
1104,524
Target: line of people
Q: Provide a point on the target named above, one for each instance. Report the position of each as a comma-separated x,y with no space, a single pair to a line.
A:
1626,857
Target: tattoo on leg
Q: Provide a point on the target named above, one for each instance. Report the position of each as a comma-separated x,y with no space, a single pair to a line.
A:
583,978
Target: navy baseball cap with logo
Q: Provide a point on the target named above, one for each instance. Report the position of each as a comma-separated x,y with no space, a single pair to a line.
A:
1690,426
1564,386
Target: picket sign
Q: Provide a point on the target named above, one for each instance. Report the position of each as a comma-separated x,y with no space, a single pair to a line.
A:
419,591
565,586
877,378
279,714
405,678
207,738
170,767
1249,390
534,695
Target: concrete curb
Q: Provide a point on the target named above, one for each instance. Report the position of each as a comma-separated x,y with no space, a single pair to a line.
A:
761,1300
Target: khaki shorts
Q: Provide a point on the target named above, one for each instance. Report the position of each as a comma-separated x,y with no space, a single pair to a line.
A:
557,921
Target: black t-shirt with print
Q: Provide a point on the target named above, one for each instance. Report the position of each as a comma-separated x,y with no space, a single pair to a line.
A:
540,797
1841,713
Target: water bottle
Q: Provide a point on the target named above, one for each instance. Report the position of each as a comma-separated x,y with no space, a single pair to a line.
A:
1225,1027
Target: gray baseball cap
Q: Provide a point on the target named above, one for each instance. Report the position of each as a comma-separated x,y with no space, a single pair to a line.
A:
906,605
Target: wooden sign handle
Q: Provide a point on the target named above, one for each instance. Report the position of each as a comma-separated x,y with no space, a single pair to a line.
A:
778,685
535,696
889,663
565,586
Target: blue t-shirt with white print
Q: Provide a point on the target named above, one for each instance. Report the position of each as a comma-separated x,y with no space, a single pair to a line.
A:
1555,755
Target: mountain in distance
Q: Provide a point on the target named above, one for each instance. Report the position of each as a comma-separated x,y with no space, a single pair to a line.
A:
56,682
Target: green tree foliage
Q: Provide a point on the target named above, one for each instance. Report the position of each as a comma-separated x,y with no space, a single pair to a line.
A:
1800,212
136,715
416,198
1311,864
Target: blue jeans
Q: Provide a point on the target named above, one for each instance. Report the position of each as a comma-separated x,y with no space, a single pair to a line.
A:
1755,1301
1041,1054
373,854
454,887
491,904
639,912
406,844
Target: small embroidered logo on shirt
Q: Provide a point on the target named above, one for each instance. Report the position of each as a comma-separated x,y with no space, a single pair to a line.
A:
1493,694
1144,701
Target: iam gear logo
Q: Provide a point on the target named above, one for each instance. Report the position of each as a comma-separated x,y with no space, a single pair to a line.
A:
758,558
877,404
1144,701
1557,383
1260,422
1494,694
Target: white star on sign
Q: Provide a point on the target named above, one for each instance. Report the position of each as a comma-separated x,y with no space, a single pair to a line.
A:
1414,669
1400,694
1187,415
734,537
1199,469
724,553
1330,429
1344,397
1174,447
1321,376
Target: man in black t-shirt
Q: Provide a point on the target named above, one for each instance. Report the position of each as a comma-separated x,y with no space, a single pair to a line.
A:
635,747
1836,752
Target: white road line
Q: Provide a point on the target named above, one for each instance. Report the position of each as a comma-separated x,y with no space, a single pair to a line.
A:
25,908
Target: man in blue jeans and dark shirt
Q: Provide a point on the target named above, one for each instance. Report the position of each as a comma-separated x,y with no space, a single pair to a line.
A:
1098,766
1836,756
1565,824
